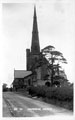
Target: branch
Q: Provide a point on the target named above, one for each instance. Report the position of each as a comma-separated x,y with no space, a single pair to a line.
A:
48,48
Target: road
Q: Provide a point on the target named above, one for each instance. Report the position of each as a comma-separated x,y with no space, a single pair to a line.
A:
15,105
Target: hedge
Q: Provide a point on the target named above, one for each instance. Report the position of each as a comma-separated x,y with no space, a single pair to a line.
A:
64,93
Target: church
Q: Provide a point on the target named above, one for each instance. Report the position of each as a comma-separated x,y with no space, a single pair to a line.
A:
32,75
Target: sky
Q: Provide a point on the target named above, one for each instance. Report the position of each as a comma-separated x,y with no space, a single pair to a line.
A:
55,25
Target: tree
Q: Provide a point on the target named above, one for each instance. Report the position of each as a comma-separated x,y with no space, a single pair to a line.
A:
4,87
54,58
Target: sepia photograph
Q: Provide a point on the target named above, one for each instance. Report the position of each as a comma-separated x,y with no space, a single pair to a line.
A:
38,58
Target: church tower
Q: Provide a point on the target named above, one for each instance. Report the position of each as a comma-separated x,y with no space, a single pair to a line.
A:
33,54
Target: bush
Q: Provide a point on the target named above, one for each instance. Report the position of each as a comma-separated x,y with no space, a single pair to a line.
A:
64,93
41,91
38,91
50,93
61,93
5,89
32,90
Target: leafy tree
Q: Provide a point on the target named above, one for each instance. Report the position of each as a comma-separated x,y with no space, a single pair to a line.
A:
54,58
4,87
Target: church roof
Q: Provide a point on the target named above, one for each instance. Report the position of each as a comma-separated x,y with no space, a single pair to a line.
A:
21,73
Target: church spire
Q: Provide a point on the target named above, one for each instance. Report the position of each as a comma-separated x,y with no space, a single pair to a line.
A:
35,47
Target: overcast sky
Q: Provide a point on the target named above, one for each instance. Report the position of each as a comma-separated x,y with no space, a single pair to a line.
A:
55,25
